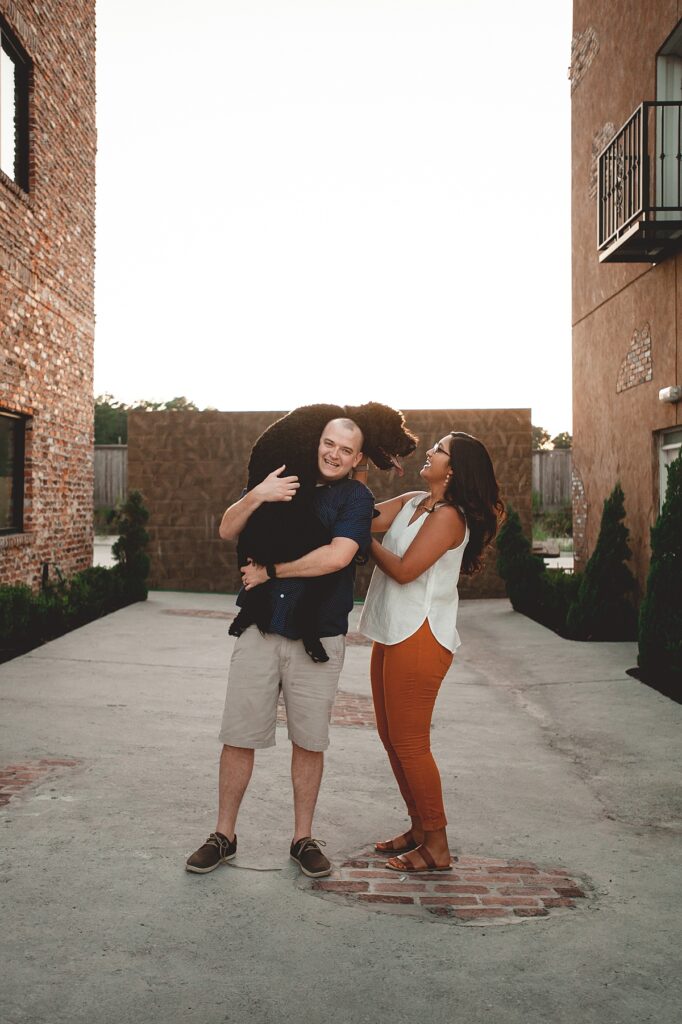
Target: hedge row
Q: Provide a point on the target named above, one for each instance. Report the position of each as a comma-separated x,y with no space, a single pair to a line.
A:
28,620
597,604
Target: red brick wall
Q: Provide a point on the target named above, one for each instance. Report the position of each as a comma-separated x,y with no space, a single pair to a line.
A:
191,466
46,290
626,316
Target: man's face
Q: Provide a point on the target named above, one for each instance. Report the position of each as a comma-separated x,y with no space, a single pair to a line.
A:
340,451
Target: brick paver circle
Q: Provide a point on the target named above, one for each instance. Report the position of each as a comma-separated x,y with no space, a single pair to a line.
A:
478,891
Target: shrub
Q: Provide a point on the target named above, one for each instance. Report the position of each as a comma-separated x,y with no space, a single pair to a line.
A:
105,520
604,608
559,591
129,550
660,620
520,569
542,594
16,614
559,523
27,619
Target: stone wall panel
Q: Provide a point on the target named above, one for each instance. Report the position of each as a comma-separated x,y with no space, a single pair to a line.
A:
191,466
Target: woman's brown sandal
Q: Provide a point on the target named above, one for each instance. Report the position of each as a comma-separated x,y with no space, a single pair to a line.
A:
406,842
407,867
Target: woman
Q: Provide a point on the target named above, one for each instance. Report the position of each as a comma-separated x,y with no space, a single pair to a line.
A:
411,614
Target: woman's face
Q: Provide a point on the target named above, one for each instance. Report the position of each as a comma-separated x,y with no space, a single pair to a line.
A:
437,466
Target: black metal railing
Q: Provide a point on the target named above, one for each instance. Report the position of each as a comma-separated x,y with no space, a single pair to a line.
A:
640,172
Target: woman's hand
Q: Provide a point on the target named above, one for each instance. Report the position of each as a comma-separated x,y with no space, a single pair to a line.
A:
253,575
276,487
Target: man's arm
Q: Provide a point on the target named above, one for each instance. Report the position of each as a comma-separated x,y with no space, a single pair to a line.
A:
320,562
351,529
273,488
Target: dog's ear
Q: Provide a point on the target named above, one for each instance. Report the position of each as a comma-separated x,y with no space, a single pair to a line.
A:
385,432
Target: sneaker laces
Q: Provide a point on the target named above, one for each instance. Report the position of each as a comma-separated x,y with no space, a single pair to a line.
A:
222,845
317,843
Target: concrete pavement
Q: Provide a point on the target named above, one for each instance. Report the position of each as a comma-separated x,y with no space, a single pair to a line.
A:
549,753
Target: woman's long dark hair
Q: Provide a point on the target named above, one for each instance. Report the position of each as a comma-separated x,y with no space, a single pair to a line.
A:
473,488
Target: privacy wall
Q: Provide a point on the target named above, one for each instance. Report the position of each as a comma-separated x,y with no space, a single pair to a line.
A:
191,465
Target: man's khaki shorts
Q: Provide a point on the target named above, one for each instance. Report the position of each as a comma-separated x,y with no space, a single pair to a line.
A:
260,665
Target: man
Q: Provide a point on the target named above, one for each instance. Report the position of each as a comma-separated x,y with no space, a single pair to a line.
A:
261,663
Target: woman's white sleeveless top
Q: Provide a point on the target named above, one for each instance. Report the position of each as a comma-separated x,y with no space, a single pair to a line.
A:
393,611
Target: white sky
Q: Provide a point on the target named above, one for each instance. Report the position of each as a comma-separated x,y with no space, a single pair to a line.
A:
335,200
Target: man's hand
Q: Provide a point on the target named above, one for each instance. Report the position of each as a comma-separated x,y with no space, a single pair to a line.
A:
276,487
253,575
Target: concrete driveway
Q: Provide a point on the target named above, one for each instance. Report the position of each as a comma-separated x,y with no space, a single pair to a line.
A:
550,755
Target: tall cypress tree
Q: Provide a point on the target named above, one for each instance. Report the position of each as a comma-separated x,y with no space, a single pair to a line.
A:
660,619
130,548
604,607
520,569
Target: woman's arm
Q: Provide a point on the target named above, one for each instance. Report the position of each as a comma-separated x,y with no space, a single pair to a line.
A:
444,529
388,510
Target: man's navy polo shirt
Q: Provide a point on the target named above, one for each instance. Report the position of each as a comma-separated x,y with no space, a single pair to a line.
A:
345,508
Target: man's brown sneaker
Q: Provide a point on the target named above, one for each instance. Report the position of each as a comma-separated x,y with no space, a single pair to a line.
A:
216,850
309,857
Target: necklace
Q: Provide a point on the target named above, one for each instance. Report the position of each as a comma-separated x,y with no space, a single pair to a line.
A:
436,504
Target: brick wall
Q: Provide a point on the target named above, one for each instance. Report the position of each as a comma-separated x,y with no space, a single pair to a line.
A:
46,289
636,367
626,323
191,466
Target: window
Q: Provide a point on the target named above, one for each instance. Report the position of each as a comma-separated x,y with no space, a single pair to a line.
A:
669,449
11,472
15,69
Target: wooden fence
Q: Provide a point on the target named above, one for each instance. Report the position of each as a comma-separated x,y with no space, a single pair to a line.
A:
111,474
551,478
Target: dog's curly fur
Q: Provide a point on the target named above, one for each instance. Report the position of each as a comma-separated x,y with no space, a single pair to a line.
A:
284,531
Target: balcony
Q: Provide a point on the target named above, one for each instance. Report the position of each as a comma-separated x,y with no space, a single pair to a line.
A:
640,187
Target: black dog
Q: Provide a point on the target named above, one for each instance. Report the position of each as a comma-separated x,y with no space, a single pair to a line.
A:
284,531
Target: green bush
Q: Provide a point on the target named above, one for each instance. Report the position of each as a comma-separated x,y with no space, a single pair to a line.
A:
604,606
660,619
130,548
559,591
16,614
105,520
542,594
520,569
560,522
28,619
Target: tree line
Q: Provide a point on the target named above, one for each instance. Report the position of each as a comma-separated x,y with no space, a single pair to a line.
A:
111,421
111,416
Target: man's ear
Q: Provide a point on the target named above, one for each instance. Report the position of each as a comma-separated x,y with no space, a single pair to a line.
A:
360,457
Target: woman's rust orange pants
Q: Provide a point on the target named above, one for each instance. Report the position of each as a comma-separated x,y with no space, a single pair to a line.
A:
406,678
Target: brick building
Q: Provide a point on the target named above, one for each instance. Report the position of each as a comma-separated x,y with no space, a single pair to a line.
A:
47,223
626,82
191,465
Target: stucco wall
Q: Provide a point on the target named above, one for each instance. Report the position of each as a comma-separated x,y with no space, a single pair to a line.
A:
191,466
47,292
625,316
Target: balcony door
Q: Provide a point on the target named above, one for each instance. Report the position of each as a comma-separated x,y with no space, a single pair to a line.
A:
668,158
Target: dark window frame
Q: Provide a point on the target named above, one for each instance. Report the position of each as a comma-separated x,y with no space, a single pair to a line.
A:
19,467
23,70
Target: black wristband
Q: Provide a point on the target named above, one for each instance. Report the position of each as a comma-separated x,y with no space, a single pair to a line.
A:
271,571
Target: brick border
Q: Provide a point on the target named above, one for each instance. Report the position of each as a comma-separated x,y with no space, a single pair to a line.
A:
479,890
16,777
